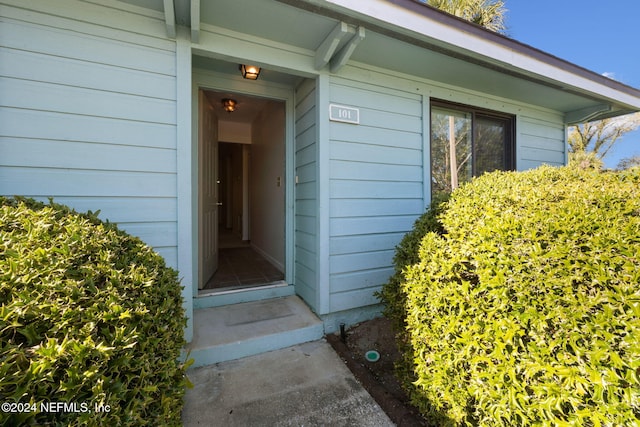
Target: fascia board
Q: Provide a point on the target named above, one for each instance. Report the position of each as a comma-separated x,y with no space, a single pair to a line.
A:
472,41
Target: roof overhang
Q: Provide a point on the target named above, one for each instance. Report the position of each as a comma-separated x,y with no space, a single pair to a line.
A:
410,38
594,96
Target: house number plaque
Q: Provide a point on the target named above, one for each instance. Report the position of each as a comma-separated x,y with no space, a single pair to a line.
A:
340,113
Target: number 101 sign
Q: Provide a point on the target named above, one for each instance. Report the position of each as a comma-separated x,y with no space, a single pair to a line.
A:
340,113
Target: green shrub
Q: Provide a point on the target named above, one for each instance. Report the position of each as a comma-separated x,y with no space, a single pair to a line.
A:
392,295
526,311
89,316
406,254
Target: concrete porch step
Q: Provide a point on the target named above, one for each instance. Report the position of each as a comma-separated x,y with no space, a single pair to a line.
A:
234,331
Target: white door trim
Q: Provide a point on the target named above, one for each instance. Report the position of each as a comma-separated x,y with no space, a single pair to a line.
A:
209,80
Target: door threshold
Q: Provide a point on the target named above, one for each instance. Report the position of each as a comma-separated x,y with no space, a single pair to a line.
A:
237,289
216,298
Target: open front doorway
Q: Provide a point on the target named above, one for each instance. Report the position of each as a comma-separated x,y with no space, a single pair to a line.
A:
241,158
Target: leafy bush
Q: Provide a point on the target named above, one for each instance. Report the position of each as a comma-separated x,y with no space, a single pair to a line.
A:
526,311
406,255
89,316
392,295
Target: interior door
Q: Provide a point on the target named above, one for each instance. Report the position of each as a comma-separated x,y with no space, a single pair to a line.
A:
208,194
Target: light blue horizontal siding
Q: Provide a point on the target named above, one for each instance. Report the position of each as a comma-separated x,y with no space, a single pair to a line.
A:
126,210
378,154
541,141
306,153
344,283
45,153
360,297
88,114
376,189
363,261
40,67
542,156
544,129
390,104
371,224
373,242
307,209
356,207
45,96
376,174
43,182
92,42
307,178
375,136
73,127
306,224
170,255
156,234
359,170
306,194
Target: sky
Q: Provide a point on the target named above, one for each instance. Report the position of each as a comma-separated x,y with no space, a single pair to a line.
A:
601,36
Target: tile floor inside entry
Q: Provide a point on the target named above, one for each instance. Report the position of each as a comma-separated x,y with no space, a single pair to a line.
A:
240,267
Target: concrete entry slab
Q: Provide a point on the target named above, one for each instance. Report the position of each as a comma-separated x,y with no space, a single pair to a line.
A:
239,330
307,384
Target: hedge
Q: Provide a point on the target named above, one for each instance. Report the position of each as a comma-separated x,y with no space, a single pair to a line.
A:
90,317
525,309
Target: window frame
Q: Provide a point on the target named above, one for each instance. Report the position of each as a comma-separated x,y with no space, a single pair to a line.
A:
510,132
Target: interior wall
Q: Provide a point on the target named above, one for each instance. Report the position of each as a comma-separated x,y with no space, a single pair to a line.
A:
267,186
234,132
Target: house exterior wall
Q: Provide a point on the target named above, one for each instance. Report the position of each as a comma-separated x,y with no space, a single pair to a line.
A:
541,139
380,169
88,112
88,95
376,190
306,194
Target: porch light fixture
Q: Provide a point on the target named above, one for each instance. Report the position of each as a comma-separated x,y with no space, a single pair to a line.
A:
250,72
229,105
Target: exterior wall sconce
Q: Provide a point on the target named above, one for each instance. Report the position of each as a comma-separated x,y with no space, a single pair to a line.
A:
250,72
229,105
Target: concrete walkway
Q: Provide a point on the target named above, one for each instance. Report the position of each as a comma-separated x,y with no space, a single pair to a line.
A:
303,385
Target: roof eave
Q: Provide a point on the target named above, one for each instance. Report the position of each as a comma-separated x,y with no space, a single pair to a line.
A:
417,23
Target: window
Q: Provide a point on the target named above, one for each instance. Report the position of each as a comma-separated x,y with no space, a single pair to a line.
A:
467,142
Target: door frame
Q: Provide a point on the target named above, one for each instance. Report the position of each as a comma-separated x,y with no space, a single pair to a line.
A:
210,80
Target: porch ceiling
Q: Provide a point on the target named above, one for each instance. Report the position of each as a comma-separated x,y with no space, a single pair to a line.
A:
306,24
247,107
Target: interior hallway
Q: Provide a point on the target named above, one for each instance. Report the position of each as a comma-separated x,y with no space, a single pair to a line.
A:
240,266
